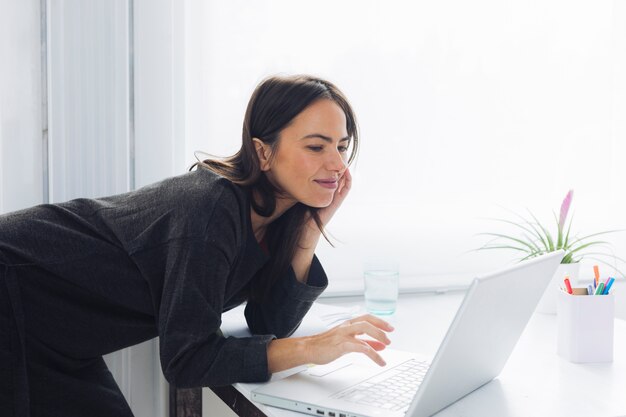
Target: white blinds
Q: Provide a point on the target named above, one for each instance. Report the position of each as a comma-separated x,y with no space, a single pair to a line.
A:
21,161
112,126
88,50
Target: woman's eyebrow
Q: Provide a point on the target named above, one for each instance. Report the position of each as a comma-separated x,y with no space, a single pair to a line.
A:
323,137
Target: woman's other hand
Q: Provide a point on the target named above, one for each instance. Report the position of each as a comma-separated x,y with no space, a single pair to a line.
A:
345,183
344,338
308,241
332,344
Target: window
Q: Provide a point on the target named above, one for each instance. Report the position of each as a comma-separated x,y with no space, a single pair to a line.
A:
463,108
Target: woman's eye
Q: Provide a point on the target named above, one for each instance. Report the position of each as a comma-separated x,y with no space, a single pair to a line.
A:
343,149
315,148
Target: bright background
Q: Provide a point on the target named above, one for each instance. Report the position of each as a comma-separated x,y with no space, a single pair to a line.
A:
465,109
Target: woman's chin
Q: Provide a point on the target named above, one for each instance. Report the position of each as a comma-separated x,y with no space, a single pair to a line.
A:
319,203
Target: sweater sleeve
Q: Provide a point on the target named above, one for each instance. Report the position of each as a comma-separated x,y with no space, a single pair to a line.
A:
288,303
193,351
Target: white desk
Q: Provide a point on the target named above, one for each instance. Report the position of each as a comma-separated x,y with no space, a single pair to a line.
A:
534,382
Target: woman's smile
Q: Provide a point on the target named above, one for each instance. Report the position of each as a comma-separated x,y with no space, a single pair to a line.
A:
330,183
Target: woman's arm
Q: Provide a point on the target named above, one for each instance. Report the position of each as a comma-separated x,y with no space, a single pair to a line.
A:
325,347
308,242
288,302
301,262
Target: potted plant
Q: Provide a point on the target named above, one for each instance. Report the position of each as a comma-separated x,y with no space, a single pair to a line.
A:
534,239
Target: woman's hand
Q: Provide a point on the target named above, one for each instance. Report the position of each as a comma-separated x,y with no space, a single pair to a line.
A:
308,241
326,347
345,183
336,342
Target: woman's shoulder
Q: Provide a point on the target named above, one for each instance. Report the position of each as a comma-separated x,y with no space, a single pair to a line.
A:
200,186
208,188
219,206
193,197
184,206
209,196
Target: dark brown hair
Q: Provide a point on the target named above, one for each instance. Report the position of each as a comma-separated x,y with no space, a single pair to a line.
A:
274,104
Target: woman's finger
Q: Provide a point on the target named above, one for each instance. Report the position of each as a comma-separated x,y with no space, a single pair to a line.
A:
363,347
346,182
375,344
348,178
332,344
376,321
363,327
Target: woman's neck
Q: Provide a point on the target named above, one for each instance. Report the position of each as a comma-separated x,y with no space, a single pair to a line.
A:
260,223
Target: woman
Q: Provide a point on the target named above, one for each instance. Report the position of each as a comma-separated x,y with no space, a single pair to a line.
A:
90,276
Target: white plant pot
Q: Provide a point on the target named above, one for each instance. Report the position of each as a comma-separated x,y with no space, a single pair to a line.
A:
547,304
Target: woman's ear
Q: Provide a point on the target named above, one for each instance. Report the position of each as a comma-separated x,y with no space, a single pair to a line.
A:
263,152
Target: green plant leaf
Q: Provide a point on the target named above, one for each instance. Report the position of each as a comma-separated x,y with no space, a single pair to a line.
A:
597,234
546,247
539,236
510,238
533,243
536,239
531,231
559,239
532,255
546,233
567,259
586,245
568,230
503,247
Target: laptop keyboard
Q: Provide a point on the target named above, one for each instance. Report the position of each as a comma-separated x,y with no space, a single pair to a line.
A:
391,390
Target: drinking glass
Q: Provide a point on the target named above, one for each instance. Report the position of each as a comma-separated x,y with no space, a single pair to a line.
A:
381,280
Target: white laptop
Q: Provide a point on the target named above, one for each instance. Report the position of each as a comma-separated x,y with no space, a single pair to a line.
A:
487,325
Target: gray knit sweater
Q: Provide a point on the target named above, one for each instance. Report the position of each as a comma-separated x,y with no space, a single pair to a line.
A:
98,275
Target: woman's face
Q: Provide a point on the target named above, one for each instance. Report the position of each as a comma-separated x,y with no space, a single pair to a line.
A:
310,155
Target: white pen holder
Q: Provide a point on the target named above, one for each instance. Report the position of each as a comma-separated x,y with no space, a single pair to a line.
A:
585,327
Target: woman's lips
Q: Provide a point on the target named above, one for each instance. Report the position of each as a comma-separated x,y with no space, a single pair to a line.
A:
327,183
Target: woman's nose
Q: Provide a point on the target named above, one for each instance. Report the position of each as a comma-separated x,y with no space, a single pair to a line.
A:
337,162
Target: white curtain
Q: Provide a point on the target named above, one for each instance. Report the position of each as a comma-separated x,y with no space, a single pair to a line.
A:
88,107
114,126
88,45
21,159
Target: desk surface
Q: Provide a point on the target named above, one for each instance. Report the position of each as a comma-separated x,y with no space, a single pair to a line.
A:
534,382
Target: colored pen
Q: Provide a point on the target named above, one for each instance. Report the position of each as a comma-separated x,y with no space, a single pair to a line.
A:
596,272
608,286
590,290
568,286
600,289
